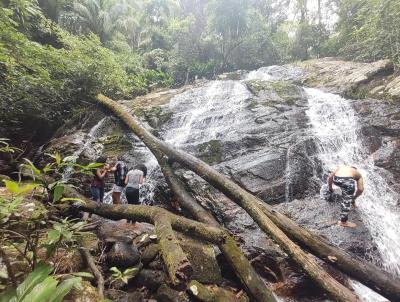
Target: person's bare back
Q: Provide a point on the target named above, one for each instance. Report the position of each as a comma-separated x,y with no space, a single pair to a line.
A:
347,171
345,178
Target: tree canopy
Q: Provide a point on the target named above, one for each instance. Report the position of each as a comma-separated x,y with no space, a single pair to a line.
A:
59,53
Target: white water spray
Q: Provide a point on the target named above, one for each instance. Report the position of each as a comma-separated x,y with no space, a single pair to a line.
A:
93,134
212,114
337,130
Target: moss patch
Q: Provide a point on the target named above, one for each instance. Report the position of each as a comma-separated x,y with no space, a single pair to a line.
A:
287,91
253,104
211,152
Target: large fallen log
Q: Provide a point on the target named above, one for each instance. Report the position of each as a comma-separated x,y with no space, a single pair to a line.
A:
147,214
243,198
357,268
209,231
254,285
178,266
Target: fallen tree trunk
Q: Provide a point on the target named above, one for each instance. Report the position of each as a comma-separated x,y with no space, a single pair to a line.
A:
147,214
251,281
357,268
203,293
243,198
254,285
178,266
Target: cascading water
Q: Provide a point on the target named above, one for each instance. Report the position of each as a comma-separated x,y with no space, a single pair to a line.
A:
211,113
338,133
337,130
93,134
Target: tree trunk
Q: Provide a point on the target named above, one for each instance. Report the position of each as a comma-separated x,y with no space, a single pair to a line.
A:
254,285
244,199
146,214
357,268
178,266
203,293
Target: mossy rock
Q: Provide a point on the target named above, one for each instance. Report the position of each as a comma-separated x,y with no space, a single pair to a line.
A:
87,293
156,116
202,257
252,104
211,152
115,144
288,92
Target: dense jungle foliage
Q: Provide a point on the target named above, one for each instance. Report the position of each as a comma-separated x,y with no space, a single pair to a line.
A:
56,54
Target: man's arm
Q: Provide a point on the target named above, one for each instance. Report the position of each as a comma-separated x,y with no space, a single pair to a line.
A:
360,187
330,181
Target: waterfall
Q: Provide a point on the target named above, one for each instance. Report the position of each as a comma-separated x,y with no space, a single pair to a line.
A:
206,113
338,135
93,134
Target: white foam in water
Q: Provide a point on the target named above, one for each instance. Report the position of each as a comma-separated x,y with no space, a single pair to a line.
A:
206,113
93,134
338,134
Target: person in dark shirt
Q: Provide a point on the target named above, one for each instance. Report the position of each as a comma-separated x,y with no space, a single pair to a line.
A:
120,170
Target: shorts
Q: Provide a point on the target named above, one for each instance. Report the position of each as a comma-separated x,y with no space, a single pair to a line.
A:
97,193
132,195
117,189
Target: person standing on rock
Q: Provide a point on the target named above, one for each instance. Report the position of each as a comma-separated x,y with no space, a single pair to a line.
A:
120,170
351,182
133,180
97,184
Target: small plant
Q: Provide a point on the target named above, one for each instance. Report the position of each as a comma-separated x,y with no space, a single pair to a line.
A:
125,276
39,286
67,233
6,148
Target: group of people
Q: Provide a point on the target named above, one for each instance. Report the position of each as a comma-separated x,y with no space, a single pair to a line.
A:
125,179
347,178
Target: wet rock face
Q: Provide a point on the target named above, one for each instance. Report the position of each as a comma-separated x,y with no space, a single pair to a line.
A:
321,217
381,128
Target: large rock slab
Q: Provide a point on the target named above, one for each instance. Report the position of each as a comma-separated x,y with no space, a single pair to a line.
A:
352,79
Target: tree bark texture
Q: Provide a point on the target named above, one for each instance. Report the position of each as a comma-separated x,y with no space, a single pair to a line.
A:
204,294
254,285
355,267
243,198
178,266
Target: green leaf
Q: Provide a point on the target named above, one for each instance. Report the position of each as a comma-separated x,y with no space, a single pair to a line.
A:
57,193
115,270
53,236
27,188
57,158
64,288
8,296
83,274
42,291
38,275
32,167
12,186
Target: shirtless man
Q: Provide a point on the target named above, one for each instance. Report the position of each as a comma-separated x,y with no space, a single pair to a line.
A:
346,177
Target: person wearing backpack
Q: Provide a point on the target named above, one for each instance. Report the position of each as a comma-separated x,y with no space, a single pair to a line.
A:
120,170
